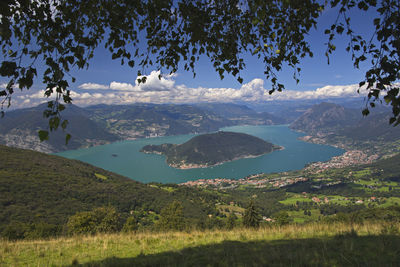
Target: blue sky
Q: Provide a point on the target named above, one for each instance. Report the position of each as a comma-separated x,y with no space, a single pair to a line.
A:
106,81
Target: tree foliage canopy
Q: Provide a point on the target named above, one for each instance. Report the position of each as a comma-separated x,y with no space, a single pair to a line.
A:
99,220
63,35
172,217
251,217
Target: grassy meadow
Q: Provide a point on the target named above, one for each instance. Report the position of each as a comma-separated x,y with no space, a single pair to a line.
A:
315,244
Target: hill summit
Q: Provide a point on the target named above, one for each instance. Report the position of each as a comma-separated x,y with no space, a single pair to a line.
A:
212,149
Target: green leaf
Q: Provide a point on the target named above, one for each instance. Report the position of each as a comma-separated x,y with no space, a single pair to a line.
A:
61,107
339,29
67,137
43,135
8,68
64,124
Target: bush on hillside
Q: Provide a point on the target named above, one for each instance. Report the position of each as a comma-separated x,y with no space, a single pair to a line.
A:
172,217
99,220
38,230
131,225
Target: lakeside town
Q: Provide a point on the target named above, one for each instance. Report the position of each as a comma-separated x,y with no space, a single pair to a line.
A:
260,180
349,158
257,180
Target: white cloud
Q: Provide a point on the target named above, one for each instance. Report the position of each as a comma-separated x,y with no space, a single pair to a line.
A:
154,83
93,86
328,91
123,86
165,90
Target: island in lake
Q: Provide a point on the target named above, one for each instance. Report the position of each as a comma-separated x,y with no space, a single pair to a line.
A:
212,149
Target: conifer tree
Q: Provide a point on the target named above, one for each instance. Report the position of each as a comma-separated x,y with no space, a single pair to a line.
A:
251,216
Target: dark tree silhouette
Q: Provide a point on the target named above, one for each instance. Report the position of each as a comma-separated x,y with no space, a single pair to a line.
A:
64,35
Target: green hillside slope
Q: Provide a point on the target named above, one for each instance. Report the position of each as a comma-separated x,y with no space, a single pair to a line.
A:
35,187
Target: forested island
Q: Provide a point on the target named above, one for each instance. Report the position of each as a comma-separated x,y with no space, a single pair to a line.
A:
212,149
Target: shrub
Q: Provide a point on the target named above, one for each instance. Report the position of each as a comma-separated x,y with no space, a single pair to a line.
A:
18,230
282,218
104,220
130,225
172,217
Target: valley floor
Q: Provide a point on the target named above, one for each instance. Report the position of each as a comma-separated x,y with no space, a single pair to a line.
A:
317,244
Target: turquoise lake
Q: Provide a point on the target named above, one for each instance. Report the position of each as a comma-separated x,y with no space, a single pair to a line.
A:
153,168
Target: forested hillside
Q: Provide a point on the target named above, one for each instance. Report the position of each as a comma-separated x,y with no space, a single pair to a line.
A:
38,189
211,149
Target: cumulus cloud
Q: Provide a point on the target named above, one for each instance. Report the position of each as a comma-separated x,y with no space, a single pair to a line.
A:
154,82
123,86
165,90
93,86
328,91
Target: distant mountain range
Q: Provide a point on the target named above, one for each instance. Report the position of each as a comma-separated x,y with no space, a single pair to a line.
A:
20,128
146,120
102,124
327,119
211,149
242,114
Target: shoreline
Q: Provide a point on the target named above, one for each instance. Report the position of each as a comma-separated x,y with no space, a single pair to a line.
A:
351,156
198,166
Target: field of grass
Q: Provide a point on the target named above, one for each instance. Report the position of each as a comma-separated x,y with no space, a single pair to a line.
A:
300,217
369,244
100,176
361,173
391,201
293,198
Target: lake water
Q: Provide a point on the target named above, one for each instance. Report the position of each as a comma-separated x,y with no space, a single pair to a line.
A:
153,168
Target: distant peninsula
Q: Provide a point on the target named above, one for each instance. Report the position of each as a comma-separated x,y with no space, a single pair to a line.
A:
212,149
